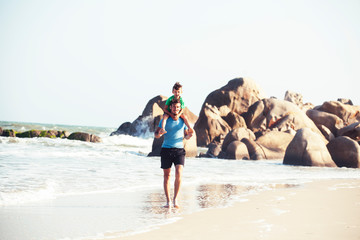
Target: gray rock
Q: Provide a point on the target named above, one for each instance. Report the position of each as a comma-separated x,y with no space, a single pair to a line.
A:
86,137
308,149
235,98
345,152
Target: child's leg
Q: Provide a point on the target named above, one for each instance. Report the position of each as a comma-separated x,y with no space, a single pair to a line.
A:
183,116
163,124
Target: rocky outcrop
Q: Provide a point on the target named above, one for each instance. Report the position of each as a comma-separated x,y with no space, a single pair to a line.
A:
352,131
329,120
214,150
86,137
348,113
219,146
8,133
148,121
52,134
274,143
277,114
237,150
222,108
255,151
271,145
308,149
43,133
236,135
29,134
345,152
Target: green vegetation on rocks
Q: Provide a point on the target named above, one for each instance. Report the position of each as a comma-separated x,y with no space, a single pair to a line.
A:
50,134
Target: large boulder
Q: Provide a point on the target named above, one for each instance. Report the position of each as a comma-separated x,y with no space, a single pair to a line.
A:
352,131
278,115
275,141
237,150
240,144
214,150
308,149
234,98
345,152
326,132
86,137
348,113
9,133
189,146
255,151
29,134
236,135
148,121
210,125
329,120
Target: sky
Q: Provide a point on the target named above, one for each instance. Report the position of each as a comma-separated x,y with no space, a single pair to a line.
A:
97,63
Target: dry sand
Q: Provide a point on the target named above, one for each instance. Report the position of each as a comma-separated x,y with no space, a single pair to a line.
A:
326,209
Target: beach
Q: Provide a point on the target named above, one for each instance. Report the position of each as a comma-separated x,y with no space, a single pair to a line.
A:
326,209
57,189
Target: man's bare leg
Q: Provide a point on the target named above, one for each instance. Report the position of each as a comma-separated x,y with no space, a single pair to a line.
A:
177,184
167,186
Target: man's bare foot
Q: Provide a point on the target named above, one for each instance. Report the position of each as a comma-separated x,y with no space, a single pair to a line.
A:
167,205
162,131
176,205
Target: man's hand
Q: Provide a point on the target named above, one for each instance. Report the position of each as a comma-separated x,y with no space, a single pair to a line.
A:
188,134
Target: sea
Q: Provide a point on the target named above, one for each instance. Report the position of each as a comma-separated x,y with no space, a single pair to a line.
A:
57,189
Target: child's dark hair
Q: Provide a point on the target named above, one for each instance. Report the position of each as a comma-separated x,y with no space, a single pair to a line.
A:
174,101
177,86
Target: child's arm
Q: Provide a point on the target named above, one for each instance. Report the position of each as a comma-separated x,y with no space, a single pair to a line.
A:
167,112
157,133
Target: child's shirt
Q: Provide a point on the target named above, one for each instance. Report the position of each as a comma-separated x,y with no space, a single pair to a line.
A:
168,101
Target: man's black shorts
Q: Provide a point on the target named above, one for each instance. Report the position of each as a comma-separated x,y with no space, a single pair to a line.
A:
172,155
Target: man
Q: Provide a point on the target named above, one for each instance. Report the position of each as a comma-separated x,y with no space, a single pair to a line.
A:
172,150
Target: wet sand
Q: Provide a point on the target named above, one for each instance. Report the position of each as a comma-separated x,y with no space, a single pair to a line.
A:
325,209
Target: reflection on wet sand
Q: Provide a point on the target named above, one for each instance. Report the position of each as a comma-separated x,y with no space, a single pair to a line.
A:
203,196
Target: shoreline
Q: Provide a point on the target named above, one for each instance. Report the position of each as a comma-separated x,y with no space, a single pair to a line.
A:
322,209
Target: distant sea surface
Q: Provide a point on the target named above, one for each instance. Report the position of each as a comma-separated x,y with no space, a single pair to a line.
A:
66,189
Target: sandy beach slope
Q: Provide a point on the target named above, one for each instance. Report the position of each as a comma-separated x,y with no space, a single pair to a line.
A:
326,209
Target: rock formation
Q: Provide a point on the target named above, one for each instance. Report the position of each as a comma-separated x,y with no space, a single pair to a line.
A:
51,134
86,137
222,108
308,149
345,152
348,113
352,131
148,121
277,114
